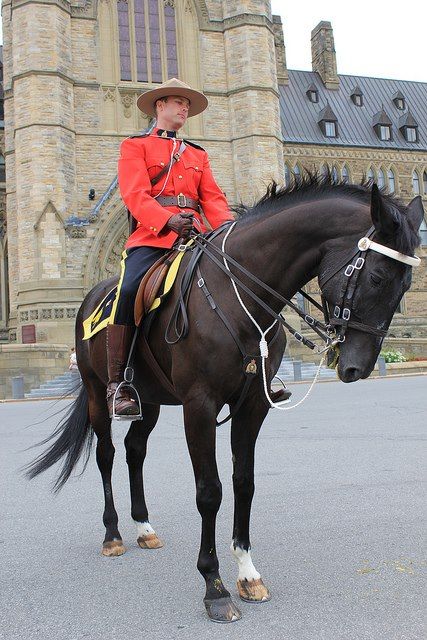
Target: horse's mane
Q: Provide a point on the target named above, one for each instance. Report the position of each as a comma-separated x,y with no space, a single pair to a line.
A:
309,186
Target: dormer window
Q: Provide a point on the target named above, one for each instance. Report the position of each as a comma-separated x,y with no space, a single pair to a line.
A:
357,97
328,122
312,93
330,129
408,126
399,100
385,132
382,125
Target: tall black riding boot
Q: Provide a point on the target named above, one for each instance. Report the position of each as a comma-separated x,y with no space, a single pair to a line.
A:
119,338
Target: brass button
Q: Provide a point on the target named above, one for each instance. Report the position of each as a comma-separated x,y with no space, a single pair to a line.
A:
162,164
154,229
197,168
179,176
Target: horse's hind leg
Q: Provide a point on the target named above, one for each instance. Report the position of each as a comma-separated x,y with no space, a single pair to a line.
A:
200,432
136,449
244,431
101,423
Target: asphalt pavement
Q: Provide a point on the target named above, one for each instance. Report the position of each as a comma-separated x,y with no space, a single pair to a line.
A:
338,527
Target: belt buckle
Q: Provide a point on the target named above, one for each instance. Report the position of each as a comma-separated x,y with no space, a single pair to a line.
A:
182,201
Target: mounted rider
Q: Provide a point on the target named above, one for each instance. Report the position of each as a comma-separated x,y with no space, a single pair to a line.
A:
164,210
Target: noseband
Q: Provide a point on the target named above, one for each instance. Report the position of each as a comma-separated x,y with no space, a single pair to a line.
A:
341,318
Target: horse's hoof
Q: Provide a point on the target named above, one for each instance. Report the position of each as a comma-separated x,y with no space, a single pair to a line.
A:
253,591
113,548
222,610
150,541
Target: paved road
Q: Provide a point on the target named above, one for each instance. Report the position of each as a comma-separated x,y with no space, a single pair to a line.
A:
337,528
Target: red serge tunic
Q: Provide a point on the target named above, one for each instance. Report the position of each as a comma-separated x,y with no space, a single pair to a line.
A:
141,159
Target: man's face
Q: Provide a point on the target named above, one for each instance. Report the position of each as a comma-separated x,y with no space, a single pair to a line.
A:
173,113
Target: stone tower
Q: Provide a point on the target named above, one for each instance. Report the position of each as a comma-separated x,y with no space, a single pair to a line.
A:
253,95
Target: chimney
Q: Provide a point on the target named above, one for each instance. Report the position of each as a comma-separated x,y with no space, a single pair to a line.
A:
323,54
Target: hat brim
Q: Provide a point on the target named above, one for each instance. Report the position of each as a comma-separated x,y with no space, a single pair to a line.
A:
146,102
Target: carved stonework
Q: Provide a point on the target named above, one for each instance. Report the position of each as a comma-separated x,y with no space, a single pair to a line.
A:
46,314
58,313
34,314
128,100
23,316
71,313
188,7
112,264
76,232
109,94
169,3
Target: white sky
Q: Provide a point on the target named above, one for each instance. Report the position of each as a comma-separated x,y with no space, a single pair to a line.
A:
378,39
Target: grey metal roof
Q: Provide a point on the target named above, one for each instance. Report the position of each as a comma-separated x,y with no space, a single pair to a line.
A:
299,116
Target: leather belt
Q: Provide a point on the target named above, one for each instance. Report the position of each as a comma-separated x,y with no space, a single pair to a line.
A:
178,201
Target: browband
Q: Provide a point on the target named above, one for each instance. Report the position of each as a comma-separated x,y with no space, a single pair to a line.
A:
365,243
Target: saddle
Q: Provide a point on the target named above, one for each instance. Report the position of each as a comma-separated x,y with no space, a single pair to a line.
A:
151,284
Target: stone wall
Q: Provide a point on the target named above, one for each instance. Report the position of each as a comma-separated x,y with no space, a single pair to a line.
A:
36,362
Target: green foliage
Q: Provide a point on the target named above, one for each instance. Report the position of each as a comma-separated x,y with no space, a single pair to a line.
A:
393,356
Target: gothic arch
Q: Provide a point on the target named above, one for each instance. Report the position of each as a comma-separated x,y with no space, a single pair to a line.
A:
107,244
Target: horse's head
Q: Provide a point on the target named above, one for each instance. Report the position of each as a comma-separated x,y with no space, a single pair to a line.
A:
362,301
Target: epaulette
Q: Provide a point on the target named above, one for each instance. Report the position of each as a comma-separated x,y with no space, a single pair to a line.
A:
193,144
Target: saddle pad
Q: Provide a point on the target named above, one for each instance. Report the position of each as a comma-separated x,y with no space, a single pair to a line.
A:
99,318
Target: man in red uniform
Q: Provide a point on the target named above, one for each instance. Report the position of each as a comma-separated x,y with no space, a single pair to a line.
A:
165,209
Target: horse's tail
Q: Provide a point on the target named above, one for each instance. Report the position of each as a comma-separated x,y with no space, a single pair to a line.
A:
72,437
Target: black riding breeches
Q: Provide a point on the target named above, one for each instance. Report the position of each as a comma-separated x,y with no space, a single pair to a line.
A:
135,263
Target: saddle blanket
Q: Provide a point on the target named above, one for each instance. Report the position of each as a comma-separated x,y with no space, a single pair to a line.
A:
104,312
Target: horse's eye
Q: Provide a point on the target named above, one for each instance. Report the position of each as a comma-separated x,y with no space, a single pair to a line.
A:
376,280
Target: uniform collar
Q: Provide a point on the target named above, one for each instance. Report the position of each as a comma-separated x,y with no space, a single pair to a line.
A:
162,133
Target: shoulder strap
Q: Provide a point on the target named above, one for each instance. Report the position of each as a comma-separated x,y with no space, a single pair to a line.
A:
193,144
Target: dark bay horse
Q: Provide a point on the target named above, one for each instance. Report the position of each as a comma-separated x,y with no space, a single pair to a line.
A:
291,236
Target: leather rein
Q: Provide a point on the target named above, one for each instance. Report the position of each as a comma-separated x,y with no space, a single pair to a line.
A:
332,331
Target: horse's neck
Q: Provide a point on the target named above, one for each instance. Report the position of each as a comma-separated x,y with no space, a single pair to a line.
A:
284,250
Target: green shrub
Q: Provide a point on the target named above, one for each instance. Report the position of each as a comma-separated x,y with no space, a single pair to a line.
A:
393,356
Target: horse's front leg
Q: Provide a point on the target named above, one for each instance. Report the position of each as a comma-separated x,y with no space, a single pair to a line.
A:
136,449
244,431
200,430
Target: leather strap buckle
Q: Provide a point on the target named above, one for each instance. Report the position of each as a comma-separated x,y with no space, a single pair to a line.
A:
182,200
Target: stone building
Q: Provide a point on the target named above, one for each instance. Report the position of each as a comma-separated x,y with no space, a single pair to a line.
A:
72,72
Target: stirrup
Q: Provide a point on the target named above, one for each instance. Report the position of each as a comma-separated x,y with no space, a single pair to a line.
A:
127,382
276,377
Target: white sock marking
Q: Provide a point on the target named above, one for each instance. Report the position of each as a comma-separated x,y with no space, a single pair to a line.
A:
247,570
143,529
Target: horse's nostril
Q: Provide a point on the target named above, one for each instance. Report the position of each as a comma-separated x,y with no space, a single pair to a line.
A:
351,374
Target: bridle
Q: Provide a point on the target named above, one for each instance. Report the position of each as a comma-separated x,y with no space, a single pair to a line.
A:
341,317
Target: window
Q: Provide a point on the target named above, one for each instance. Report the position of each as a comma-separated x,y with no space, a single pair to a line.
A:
330,130
151,25
391,181
425,183
400,103
2,169
415,183
423,233
312,93
334,174
345,174
324,171
287,175
385,132
371,174
358,100
381,179
411,134
297,173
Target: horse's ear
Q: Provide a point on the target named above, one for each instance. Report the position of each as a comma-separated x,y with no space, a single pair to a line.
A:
385,222
415,212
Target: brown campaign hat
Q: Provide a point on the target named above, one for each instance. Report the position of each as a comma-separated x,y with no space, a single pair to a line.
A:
173,87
